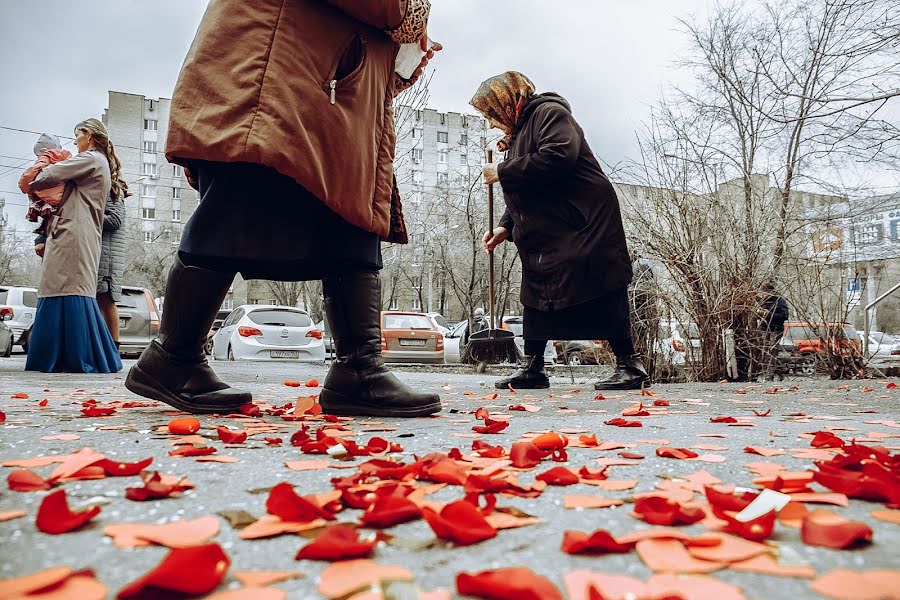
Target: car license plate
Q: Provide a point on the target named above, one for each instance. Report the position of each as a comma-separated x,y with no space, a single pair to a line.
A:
284,354
412,342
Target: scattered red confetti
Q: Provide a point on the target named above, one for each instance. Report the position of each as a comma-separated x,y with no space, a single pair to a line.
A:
184,426
189,450
337,542
762,414
20,396
94,411
513,583
312,383
194,570
284,502
54,515
230,436
43,402
723,420
660,403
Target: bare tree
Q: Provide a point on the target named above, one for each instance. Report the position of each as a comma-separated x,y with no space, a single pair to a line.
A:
285,293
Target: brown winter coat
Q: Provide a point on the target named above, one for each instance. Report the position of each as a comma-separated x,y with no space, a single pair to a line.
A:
72,251
302,86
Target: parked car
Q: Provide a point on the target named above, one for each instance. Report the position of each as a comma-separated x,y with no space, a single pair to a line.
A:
138,320
6,334
326,336
269,332
455,341
439,322
584,352
216,325
678,341
881,345
409,337
22,301
809,339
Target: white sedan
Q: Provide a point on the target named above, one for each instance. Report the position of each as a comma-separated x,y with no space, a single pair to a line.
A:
266,332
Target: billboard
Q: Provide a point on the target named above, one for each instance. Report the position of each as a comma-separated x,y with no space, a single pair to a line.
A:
859,236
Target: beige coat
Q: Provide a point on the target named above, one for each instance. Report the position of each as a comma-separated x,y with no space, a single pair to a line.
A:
72,251
302,86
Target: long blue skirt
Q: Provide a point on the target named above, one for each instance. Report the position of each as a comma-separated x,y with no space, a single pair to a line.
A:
69,335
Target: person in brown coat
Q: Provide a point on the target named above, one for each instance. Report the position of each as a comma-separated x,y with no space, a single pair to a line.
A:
286,106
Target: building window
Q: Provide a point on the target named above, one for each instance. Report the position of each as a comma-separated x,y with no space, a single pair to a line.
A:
463,158
417,155
416,303
442,136
228,304
150,124
443,119
150,147
418,115
417,283
148,213
442,178
176,214
464,138
148,237
148,169
176,193
442,157
417,133
253,301
148,191
395,305
177,171
417,176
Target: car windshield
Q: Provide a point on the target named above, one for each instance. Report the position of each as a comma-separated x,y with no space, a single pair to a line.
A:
406,322
440,320
132,298
458,330
801,333
4,294
883,338
280,317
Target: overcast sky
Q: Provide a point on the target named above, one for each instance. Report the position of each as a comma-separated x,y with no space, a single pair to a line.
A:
610,58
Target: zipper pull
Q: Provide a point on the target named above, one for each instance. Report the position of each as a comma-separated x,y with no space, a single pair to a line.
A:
333,92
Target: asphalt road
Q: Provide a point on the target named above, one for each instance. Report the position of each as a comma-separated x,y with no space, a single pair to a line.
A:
226,486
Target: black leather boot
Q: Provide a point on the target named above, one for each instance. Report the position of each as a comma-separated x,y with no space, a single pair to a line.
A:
173,368
358,383
630,374
530,377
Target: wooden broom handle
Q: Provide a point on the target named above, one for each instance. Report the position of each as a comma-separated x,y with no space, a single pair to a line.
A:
490,158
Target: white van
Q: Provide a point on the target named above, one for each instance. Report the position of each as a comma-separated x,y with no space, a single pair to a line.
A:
23,303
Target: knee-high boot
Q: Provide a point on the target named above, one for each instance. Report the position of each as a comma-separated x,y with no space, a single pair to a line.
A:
173,368
358,382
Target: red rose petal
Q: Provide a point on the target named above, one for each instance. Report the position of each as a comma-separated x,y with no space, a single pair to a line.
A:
558,476
827,529
120,469
337,542
24,480
459,522
195,570
723,420
284,502
184,426
230,436
54,515
525,455
658,510
390,510
681,453
599,542
514,583
188,450
154,488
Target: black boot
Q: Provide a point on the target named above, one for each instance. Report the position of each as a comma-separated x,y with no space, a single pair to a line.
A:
629,375
530,377
173,368
358,383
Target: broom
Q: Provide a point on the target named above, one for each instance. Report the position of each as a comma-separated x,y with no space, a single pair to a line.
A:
491,346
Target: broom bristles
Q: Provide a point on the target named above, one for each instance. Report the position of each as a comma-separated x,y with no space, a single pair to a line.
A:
492,351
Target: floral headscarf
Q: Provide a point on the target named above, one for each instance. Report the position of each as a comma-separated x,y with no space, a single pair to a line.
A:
502,99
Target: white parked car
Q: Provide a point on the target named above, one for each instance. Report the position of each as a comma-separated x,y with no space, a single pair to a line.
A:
23,303
267,332
678,342
882,345
439,322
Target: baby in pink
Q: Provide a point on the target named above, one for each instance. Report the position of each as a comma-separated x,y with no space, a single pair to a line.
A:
44,203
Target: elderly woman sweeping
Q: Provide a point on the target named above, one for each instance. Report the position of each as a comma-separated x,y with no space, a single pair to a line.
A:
563,215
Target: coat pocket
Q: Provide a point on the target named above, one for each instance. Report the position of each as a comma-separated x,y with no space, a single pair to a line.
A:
348,64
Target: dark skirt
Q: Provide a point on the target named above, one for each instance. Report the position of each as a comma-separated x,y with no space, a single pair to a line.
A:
604,318
264,225
69,335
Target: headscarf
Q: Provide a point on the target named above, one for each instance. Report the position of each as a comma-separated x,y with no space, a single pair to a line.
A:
503,98
47,141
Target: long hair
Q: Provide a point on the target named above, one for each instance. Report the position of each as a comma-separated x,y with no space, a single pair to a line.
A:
100,135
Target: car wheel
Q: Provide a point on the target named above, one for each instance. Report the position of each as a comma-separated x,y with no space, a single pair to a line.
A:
9,346
575,359
209,347
230,353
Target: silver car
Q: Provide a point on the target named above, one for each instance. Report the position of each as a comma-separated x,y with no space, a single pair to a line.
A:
268,332
22,302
